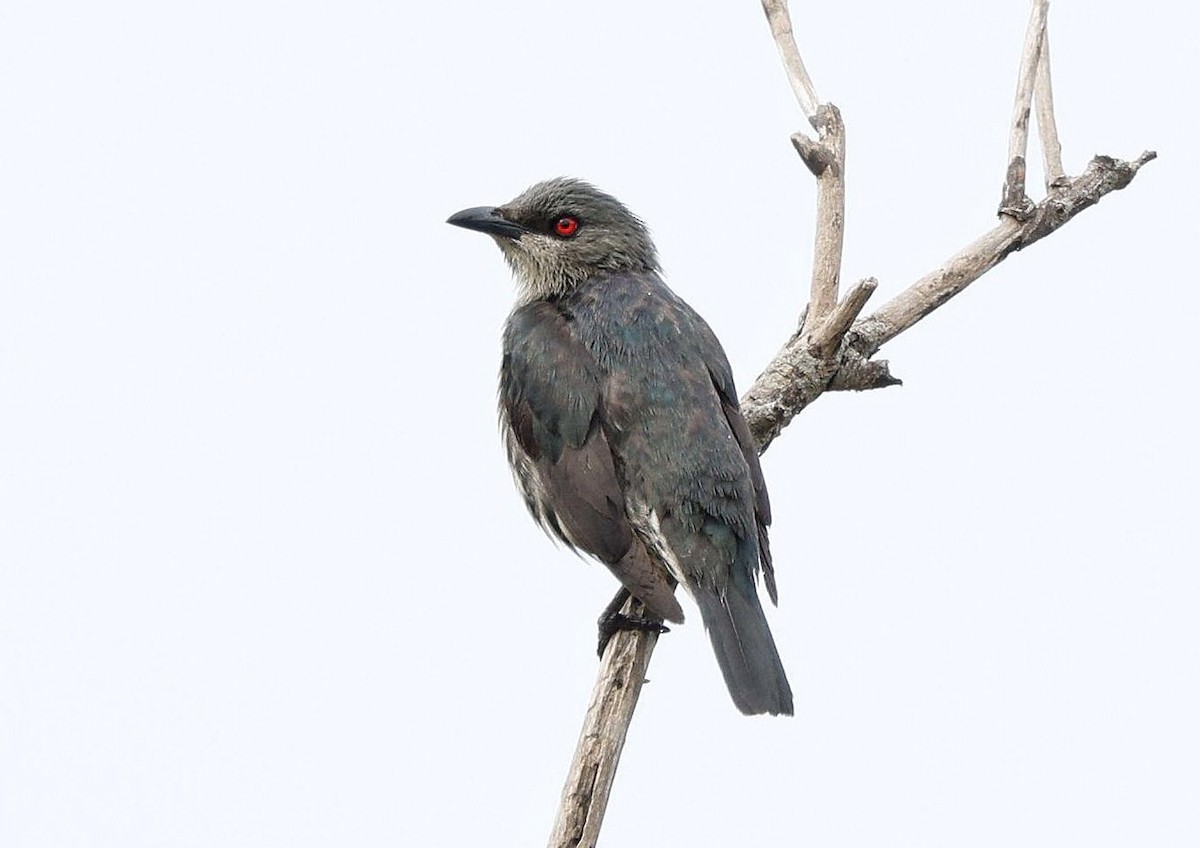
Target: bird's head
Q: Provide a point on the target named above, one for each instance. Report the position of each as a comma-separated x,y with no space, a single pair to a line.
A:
563,232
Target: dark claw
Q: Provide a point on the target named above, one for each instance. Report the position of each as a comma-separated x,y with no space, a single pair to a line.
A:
612,622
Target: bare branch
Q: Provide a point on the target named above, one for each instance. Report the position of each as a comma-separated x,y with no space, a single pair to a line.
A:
1015,203
1043,97
614,698
781,28
795,378
832,351
826,159
791,381
809,360
1103,175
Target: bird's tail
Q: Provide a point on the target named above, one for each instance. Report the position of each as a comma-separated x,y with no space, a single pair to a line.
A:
745,648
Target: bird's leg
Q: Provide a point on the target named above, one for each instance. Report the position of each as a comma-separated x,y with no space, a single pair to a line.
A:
613,620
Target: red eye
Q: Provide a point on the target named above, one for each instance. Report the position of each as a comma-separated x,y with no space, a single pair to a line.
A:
566,226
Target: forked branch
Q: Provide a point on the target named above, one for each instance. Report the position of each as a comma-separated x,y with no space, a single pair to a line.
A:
795,378
1015,202
801,372
833,351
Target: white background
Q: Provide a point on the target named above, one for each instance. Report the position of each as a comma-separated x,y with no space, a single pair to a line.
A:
264,580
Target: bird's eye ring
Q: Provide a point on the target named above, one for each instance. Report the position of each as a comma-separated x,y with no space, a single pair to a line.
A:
566,226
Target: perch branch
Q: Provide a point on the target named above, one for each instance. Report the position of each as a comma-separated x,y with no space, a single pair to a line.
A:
614,698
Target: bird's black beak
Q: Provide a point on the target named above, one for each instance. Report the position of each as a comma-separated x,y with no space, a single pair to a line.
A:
486,219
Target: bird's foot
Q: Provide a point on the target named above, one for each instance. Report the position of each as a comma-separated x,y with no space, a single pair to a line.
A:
612,622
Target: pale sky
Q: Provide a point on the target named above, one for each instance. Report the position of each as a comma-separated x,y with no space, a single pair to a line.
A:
265,580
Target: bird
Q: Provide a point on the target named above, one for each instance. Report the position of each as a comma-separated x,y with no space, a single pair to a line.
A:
623,429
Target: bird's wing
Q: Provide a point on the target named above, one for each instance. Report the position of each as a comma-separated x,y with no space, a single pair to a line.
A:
722,377
550,390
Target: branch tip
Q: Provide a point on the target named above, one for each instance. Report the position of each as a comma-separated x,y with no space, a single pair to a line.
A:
1031,55
785,41
1043,97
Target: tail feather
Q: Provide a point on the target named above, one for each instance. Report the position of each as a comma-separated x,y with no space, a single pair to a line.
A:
745,649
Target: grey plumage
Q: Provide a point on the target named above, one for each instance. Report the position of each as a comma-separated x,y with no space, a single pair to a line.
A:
622,424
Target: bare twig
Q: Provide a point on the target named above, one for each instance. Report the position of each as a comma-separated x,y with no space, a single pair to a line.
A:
1043,98
1015,203
618,684
793,65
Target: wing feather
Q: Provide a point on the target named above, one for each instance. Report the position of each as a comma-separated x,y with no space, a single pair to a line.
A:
723,382
551,412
